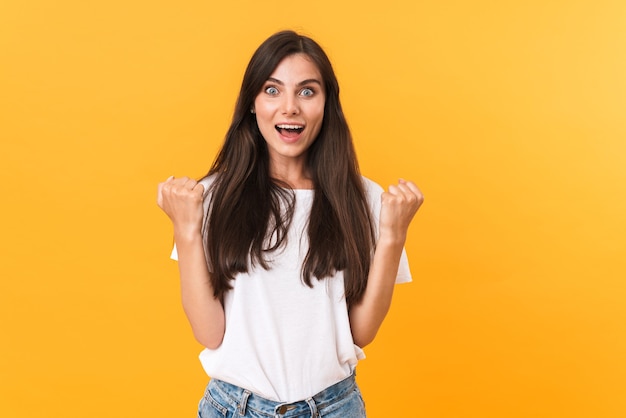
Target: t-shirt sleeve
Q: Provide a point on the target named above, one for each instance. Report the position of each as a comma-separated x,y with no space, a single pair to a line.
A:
174,254
404,272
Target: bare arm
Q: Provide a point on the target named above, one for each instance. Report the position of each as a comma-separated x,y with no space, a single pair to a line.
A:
181,199
399,205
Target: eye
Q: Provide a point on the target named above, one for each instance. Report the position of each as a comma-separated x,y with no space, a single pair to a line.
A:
307,92
273,91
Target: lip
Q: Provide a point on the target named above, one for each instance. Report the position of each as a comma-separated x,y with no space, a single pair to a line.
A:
291,123
290,139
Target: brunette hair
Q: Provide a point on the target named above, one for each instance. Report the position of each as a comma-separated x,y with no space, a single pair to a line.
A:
250,212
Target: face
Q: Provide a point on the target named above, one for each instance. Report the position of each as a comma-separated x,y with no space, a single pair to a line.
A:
290,109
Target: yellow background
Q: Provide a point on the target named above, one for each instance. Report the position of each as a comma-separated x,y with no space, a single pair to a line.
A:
508,114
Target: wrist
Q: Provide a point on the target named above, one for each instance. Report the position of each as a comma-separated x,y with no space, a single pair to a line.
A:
186,236
391,240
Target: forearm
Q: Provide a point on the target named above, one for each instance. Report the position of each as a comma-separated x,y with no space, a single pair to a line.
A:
367,315
204,312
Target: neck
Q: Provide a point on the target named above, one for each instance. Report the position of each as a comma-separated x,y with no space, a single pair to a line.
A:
297,176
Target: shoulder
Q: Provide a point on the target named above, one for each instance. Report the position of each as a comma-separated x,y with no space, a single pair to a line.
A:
372,189
373,193
207,181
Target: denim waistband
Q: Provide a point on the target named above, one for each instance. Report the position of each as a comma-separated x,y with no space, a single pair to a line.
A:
243,399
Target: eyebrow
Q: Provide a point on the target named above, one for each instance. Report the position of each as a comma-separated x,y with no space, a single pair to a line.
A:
300,84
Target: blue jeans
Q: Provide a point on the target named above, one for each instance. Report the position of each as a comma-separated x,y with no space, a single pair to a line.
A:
223,400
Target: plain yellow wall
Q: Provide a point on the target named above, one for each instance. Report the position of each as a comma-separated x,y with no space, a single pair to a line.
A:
510,115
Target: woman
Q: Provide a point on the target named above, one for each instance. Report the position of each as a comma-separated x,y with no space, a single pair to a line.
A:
287,255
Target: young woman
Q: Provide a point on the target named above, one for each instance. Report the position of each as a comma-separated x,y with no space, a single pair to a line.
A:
287,255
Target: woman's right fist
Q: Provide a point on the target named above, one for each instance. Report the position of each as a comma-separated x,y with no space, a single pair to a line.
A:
181,199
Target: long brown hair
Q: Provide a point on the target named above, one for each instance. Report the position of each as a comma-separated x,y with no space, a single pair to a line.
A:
248,206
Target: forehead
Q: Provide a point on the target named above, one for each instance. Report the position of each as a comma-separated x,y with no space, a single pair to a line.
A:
295,68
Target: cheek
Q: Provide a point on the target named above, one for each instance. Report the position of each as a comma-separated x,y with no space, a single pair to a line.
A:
263,114
320,110
315,110
260,106
318,124
320,116
265,127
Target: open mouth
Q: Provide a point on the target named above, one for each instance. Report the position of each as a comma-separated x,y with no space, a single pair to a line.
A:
290,131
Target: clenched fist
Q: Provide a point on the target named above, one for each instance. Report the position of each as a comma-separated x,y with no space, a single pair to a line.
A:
399,204
181,199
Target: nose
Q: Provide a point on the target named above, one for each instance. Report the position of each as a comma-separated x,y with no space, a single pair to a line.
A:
290,105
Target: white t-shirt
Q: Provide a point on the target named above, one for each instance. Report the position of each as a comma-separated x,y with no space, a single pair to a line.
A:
284,340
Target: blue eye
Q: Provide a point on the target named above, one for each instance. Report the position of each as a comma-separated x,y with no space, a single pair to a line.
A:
307,92
271,90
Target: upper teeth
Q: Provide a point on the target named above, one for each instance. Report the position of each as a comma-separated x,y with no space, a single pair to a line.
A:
290,126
